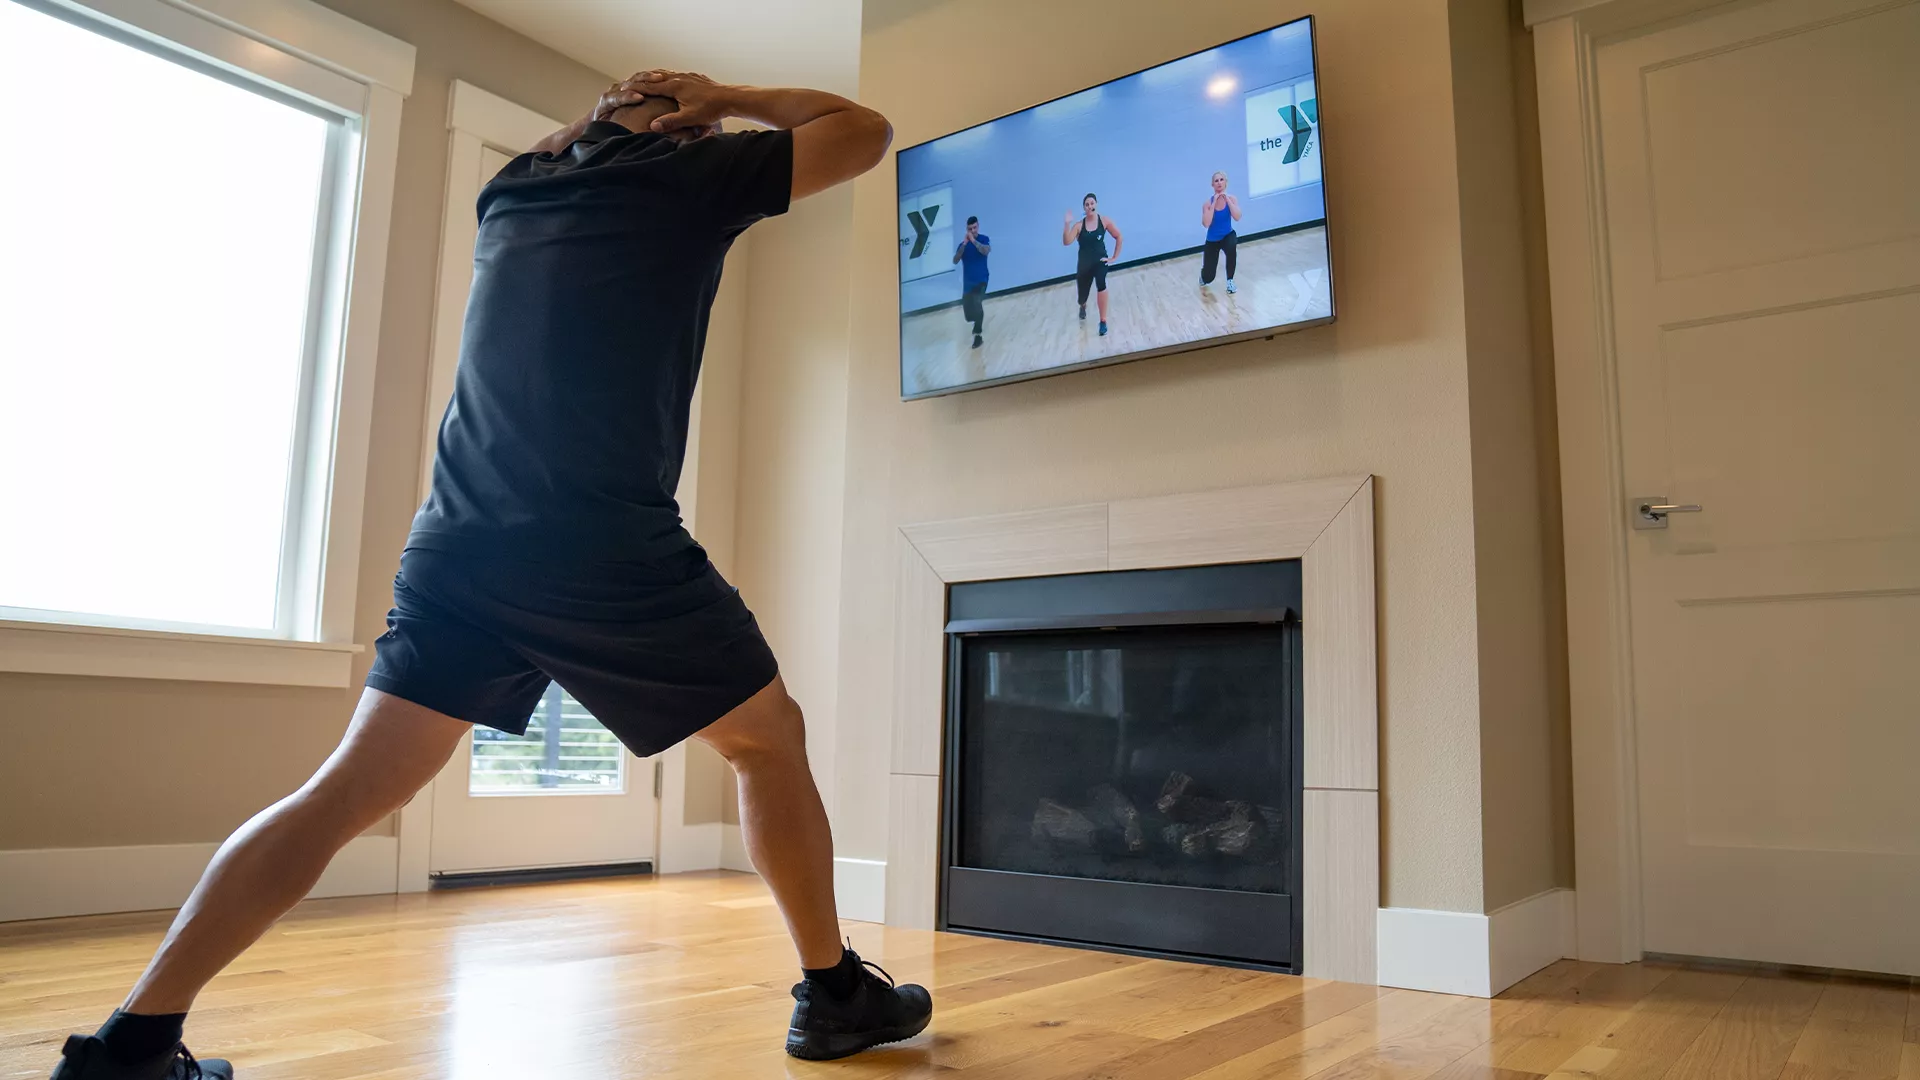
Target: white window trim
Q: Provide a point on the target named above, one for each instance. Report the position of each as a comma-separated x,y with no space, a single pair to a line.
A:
359,73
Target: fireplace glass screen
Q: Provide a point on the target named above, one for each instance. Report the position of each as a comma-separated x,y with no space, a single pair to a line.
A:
1162,755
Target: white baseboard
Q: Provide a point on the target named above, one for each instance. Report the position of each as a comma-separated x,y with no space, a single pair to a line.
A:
1454,952
1445,952
688,847
733,849
860,889
49,883
1530,934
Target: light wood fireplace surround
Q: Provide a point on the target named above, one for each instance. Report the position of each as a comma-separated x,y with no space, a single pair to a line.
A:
1327,524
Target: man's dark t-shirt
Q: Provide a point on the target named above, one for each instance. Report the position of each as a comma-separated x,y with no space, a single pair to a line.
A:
593,276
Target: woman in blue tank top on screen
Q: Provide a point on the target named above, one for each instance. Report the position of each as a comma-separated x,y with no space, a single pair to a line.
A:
1091,232
1218,214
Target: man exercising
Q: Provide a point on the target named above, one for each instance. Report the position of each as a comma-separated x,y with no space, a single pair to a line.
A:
551,548
972,257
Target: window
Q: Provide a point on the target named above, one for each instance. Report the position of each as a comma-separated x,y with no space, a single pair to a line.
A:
176,340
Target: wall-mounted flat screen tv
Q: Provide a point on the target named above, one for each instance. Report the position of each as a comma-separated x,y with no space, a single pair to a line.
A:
1178,207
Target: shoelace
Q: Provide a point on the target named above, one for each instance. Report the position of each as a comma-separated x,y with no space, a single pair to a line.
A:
193,1067
871,966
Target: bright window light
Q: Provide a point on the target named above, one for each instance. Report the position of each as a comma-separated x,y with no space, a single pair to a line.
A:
157,268
1222,85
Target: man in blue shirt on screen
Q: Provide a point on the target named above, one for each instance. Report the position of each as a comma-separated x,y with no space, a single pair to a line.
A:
972,257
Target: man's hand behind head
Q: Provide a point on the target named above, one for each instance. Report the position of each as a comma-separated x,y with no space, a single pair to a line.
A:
619,96
702,103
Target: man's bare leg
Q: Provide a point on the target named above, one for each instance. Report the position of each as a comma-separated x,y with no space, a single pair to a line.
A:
782,819
840,1008
391,751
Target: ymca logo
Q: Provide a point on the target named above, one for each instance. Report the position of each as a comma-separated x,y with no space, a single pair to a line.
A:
922,222
1299,120
1283,137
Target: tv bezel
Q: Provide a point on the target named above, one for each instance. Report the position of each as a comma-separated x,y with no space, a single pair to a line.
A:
1333,308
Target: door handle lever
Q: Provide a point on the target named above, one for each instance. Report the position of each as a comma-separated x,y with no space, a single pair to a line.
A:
1650,511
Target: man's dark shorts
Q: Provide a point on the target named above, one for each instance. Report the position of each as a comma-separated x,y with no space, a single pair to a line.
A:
657,650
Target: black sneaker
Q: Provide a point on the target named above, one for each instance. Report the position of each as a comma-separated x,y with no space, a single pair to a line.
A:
977,339
1083,313
825,1027
85,1057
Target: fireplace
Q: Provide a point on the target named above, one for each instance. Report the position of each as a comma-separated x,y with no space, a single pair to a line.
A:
1123,761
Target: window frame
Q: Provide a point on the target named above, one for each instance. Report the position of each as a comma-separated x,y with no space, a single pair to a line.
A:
318,59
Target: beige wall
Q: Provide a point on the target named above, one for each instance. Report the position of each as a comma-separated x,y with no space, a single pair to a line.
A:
793,420
1384,390
709,496
1547,429
111,761
1522,841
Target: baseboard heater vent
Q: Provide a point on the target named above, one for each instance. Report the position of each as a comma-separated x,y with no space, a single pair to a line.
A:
483,878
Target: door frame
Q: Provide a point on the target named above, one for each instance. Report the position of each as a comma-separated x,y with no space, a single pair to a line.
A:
1606,813
477,120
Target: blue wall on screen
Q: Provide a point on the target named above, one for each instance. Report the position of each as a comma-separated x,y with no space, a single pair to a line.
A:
1147,145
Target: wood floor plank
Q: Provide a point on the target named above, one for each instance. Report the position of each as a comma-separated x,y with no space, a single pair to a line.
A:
1553,980
1053,973
1196,1051
1864,1001
1753,1036
1643,1043
1417,1054
1537,1012
1328,1042
1593,1005
1214,1001
1855,1033
1590,1063
1475,1067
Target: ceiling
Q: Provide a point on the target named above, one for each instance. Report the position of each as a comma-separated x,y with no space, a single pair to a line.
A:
767,42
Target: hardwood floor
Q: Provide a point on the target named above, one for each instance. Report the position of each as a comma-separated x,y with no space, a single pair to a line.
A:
688,977
1281,279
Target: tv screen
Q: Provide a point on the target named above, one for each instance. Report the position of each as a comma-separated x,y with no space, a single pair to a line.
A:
1176,207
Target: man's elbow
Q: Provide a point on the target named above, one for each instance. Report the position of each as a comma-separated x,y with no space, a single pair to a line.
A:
875,136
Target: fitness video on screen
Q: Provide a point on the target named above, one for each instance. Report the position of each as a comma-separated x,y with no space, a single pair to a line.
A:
1178,205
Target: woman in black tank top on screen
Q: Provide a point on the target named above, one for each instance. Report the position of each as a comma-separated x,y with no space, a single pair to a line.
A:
1091,232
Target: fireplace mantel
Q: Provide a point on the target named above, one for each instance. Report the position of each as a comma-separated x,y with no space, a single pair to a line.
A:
1327,524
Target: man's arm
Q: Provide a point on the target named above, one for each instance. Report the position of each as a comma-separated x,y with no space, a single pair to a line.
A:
834,140
961,250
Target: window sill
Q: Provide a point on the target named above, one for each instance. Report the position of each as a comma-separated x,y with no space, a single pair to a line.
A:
113,652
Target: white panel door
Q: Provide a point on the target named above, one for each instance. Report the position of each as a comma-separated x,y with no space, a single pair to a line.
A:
1762,182
566,793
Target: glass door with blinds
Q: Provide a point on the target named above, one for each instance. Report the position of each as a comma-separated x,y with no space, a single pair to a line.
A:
564,749
565,794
